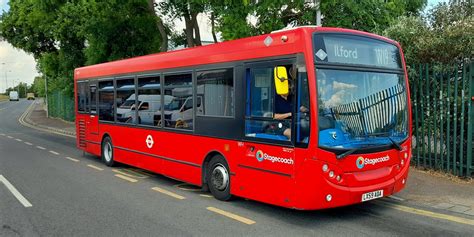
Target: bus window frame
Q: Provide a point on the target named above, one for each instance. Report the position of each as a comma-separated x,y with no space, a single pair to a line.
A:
86,110
234,74
266,64
172,72
123,78
98,98
137,87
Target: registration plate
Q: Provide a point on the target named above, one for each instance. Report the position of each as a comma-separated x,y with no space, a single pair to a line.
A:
372,195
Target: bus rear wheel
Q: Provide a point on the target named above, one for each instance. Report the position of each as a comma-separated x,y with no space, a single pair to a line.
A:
108,152
218,178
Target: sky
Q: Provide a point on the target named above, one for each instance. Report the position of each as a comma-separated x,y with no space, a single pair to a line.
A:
20,66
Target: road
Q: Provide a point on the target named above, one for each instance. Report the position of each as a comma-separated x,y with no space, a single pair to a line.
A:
72,194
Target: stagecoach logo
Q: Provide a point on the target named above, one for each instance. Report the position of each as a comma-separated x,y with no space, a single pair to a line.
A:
333,135
361,161
260,155
149,141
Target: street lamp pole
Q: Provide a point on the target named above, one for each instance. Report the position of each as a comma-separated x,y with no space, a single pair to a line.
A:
4,68
318,12
46,94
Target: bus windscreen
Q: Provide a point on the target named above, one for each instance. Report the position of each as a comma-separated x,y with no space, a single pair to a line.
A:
356,50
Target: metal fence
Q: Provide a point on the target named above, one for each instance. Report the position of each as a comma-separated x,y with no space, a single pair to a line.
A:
442,104
368,115
61,106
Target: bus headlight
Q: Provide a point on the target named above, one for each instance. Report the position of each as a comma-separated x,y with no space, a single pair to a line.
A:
328,197
325,168
331,174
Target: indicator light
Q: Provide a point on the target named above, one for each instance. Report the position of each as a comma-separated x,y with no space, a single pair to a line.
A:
402,162
338,178
406,155
325,168
403,181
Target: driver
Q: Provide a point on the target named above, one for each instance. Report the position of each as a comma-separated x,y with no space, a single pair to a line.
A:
283,107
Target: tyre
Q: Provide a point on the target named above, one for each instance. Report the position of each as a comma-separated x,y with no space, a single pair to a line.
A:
218,178
108,152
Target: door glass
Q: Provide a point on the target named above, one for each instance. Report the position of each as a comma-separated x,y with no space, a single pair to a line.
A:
268,115
93,100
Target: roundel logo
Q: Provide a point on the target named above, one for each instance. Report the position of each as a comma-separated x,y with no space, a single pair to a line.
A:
259,155
360,162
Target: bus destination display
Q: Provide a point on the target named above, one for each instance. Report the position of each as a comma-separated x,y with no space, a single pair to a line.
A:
356,50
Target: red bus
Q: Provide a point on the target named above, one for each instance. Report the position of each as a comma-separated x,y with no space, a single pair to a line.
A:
305,118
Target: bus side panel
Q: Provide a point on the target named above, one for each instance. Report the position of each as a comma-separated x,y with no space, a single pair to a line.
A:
184,155
130,147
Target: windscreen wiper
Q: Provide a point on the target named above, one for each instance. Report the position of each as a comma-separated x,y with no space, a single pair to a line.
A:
346,153
395,144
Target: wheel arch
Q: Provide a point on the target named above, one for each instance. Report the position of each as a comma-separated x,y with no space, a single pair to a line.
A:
205,163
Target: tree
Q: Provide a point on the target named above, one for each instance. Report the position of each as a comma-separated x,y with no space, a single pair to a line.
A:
64,35
445,34
236,19
368,15
38,87
187,10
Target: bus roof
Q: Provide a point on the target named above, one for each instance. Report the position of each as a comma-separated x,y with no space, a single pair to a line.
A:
268,45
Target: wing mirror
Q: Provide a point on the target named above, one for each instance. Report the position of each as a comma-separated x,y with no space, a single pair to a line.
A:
281,80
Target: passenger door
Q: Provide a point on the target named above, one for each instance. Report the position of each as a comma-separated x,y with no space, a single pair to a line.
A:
267,159
92,121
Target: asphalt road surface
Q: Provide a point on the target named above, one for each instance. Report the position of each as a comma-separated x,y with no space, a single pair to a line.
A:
49,188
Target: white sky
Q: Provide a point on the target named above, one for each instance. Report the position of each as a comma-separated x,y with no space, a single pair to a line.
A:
22,67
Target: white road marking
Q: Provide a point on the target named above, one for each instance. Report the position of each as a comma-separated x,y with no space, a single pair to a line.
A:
10,137
29,144
40,147
15,192
19,140
53,152
2,134
72,159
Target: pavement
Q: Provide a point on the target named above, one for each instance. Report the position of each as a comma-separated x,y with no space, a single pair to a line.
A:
74,194
36,117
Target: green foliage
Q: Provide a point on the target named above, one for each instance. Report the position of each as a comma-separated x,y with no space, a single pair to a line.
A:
445,35
367,15
117,30
64,35
38,87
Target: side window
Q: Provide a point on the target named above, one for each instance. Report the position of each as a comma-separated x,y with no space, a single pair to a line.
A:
216,90
93,99
178,89
106,100
82,97
302,113
149,101
125,101
268,115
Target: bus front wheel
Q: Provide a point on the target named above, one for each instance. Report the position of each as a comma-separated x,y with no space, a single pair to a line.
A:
218,178
108,151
